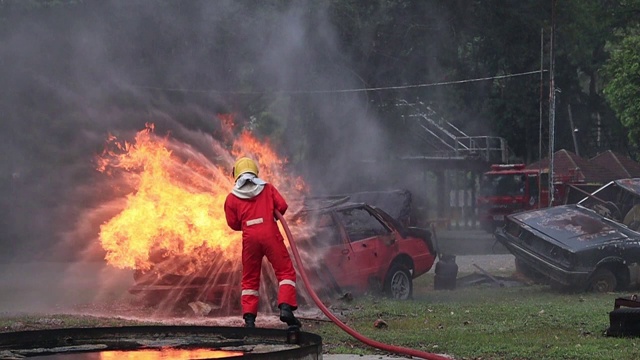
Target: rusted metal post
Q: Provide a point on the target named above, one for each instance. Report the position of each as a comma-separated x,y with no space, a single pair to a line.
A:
440,184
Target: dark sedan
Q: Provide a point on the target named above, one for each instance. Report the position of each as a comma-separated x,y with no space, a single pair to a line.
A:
592,245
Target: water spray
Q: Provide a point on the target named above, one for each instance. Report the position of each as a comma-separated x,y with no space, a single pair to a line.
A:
335,320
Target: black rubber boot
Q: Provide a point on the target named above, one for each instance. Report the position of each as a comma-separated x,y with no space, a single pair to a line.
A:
249,320
286,315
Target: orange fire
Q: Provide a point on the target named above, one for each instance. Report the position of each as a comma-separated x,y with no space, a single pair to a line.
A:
175,208
169,353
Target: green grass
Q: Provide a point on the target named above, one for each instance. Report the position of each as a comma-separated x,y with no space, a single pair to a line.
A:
489,323
480,322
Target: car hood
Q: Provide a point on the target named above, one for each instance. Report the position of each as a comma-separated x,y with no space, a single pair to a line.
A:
574,227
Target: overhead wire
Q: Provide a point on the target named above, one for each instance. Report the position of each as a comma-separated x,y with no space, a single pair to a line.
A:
336,91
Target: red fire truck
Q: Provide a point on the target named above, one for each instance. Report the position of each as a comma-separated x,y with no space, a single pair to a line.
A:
510,188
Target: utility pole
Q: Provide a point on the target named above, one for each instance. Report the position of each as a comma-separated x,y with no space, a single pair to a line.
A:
552,100
540,185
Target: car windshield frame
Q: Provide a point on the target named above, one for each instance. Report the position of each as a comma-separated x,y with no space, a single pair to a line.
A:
344,218
395,224
614,199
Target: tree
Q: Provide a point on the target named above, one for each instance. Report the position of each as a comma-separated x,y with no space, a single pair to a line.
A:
622,90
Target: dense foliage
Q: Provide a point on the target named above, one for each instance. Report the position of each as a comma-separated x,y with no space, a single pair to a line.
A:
623,89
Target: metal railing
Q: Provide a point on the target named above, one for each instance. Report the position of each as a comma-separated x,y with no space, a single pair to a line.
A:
491,149
443,139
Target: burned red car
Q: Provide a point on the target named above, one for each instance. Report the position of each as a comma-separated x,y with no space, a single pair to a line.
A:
347,248
362,248
592,245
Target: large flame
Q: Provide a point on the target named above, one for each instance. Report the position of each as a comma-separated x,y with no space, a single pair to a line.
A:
175,207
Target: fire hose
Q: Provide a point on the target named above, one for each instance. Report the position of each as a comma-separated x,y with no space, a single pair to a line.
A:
382,346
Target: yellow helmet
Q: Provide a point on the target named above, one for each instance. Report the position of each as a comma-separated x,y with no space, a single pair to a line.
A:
244,165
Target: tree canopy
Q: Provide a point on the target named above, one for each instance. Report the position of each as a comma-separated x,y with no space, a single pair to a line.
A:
623,89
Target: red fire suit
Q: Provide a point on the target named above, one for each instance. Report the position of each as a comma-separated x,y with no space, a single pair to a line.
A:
255,217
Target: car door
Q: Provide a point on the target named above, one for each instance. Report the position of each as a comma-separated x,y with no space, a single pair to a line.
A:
364,233
332,249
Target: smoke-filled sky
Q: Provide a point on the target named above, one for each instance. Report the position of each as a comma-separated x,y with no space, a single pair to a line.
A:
73,73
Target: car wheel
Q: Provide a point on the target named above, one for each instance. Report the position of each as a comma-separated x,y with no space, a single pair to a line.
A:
602,280
399,284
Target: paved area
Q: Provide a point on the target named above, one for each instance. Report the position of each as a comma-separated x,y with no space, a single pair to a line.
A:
489,263
468,242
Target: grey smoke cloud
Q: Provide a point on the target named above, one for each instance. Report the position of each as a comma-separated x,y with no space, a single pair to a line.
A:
72,74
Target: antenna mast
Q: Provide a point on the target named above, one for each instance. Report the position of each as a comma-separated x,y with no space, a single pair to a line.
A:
552,101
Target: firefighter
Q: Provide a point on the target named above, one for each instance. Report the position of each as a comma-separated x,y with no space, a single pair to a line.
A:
250,208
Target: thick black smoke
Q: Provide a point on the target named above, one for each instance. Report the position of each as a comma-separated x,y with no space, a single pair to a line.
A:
74,72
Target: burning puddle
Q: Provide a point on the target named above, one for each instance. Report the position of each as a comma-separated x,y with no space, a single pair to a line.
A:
147,354
160,342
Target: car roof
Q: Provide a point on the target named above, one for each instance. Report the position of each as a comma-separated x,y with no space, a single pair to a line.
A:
327,207
572,226
631,185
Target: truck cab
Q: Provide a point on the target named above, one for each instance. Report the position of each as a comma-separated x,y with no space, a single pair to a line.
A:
510,188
